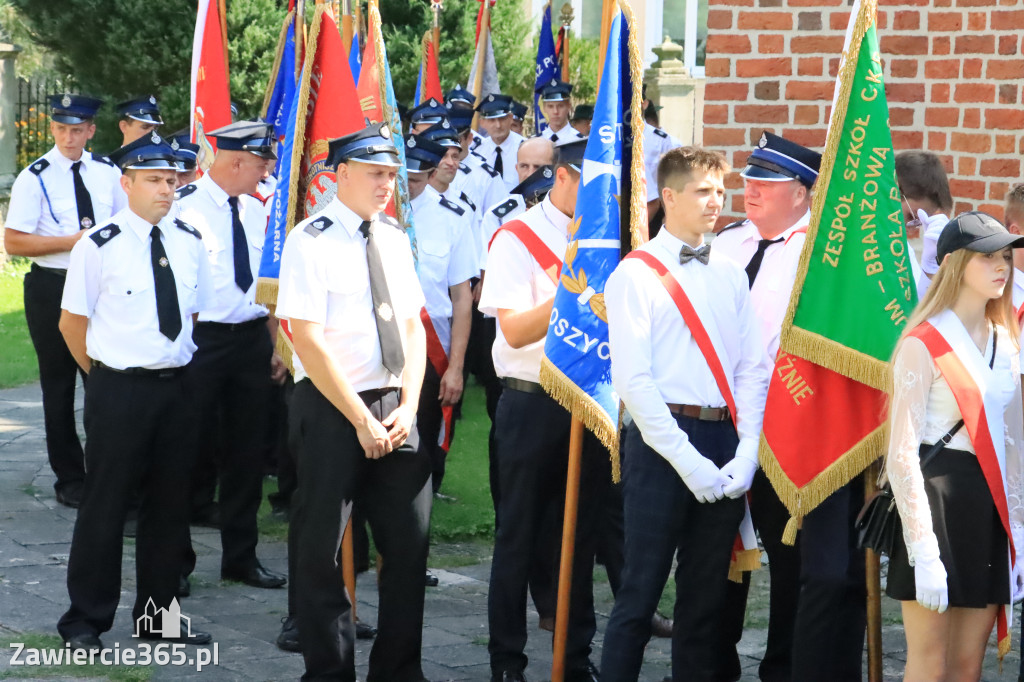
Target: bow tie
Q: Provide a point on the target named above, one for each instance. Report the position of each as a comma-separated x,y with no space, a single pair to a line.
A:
686,254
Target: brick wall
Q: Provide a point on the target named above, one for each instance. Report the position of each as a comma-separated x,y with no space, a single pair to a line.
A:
954,73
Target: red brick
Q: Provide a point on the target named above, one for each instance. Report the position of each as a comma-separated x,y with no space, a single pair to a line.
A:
907,139
816,44
901,116
1007,21
998,190
883,20
809,66
904,92
1008,93
936,141
723,137
883,3
907,21
997,211
805,114
715,114
809,21
735,3
771,44
972,68
967,189
815,3
942,117
719,19
972,118
940,92
722,43
943,3
1000,168
767,90
904,44
940,45
945,21
739,158
833,67
810,90
975,44
975,143
961,207
904,68
717,67
942,68
808,137
765,21
1004,119
977,21
973,3
1005,144
966,165
761,113
1005,69
975,92
1007,44
838,20
776,66
717,91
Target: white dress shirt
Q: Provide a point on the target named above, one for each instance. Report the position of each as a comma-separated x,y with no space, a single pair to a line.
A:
515,281
774,283
206,208
30,211
656,143
110,281
447,257
566,132
483,186
497,215
325,279
656,361
509,157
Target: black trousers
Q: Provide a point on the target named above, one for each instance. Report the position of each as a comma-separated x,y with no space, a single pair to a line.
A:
532,439
770,517
231,368
140,437
57,375
480,363
430,425
662,519
395,495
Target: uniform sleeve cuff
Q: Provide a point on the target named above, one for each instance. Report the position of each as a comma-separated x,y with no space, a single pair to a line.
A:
747,449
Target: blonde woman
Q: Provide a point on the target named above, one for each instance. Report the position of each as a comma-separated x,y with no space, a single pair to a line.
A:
958,360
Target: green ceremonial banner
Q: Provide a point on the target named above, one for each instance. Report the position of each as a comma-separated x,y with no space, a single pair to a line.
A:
856,255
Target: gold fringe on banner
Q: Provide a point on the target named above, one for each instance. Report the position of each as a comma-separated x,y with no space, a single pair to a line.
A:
285,350
277,62
266,290
570,396
744,562
637,174
833,355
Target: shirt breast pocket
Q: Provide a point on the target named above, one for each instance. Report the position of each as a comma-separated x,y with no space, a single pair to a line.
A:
136,296
433,251
348,296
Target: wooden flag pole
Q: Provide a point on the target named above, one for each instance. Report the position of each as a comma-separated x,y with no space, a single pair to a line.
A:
348,565
300,27
222,8
607,14
874,588
572,499
566,17
436,8
481,61
346,22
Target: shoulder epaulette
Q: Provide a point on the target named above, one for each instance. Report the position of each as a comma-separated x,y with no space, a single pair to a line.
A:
478,155
466,199
317,227
738,223
105,234
476,142
182,225
39,166
464,168
452,206
183,192
388,220
104,159
504,209
489,169
660,133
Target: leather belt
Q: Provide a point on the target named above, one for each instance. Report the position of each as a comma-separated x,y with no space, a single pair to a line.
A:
522,385
60,272
374,394
234,326
704,414
163,373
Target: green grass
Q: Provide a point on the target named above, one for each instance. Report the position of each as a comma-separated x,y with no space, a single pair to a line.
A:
41,641
18,359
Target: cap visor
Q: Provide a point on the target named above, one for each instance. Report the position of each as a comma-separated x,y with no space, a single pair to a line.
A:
145,118
69,119
269,155
996,242
758,173
381,159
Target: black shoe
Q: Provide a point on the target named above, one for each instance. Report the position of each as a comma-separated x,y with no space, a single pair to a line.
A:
431,580
508,676
365,630
257,576
588,673
197,637
70,496
86,642
661,626
184,587
288,640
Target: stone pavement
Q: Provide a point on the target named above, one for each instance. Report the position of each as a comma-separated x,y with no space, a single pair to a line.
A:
35,536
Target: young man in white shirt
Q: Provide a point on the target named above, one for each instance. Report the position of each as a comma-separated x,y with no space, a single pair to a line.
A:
691,451
555,102
499,148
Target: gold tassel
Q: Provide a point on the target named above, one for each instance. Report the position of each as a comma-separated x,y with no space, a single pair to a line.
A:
580,405
744,562
789,534
266,291
284,349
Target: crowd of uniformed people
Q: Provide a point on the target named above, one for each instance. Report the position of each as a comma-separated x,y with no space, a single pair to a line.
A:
143,285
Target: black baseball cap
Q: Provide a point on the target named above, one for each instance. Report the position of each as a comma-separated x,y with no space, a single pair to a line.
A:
975,231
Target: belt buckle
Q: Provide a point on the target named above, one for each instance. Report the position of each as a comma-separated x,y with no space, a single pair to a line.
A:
707,414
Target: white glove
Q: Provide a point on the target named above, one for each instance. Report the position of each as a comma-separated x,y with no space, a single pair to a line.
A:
706,481
930,578
1017,582
740,472
931,228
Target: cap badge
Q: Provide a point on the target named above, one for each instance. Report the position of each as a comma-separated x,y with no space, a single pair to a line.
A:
763,142
66,100
385,132
154,138
385,312
105,233
445,124
490,98
433,102
174,145
152,100
412,142
554,82
547,173
163,261
86,223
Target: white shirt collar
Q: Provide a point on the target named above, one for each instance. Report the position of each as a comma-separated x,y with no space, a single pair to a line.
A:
346,216
62,162
217,193
427,196
554,216
805,220
669,242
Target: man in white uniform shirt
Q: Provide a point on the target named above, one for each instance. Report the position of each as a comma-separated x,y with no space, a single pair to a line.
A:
690,452
235,359
555,102
138,117
135,286
499,148
531,432
349,291
53,201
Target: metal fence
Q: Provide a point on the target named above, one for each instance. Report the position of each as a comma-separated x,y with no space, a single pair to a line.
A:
33,115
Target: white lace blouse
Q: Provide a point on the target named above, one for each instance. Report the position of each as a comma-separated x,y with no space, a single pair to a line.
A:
923,410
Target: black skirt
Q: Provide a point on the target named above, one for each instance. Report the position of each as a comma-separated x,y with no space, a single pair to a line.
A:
972,542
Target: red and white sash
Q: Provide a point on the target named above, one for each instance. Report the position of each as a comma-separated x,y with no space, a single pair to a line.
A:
969,377
438,359
545,257
745,554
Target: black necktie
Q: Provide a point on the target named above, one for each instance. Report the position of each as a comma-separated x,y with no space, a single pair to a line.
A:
687,254
391,354
86,218
167,312
755,263
498,165
554,137
243,273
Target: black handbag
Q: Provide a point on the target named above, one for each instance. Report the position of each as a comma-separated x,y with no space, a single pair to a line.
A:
876,523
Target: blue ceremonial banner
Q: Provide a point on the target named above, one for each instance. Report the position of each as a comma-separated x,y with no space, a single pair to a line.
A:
419,86
355,57
576,368
284,86
547,67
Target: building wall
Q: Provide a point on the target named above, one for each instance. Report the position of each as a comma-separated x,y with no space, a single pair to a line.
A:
954,74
